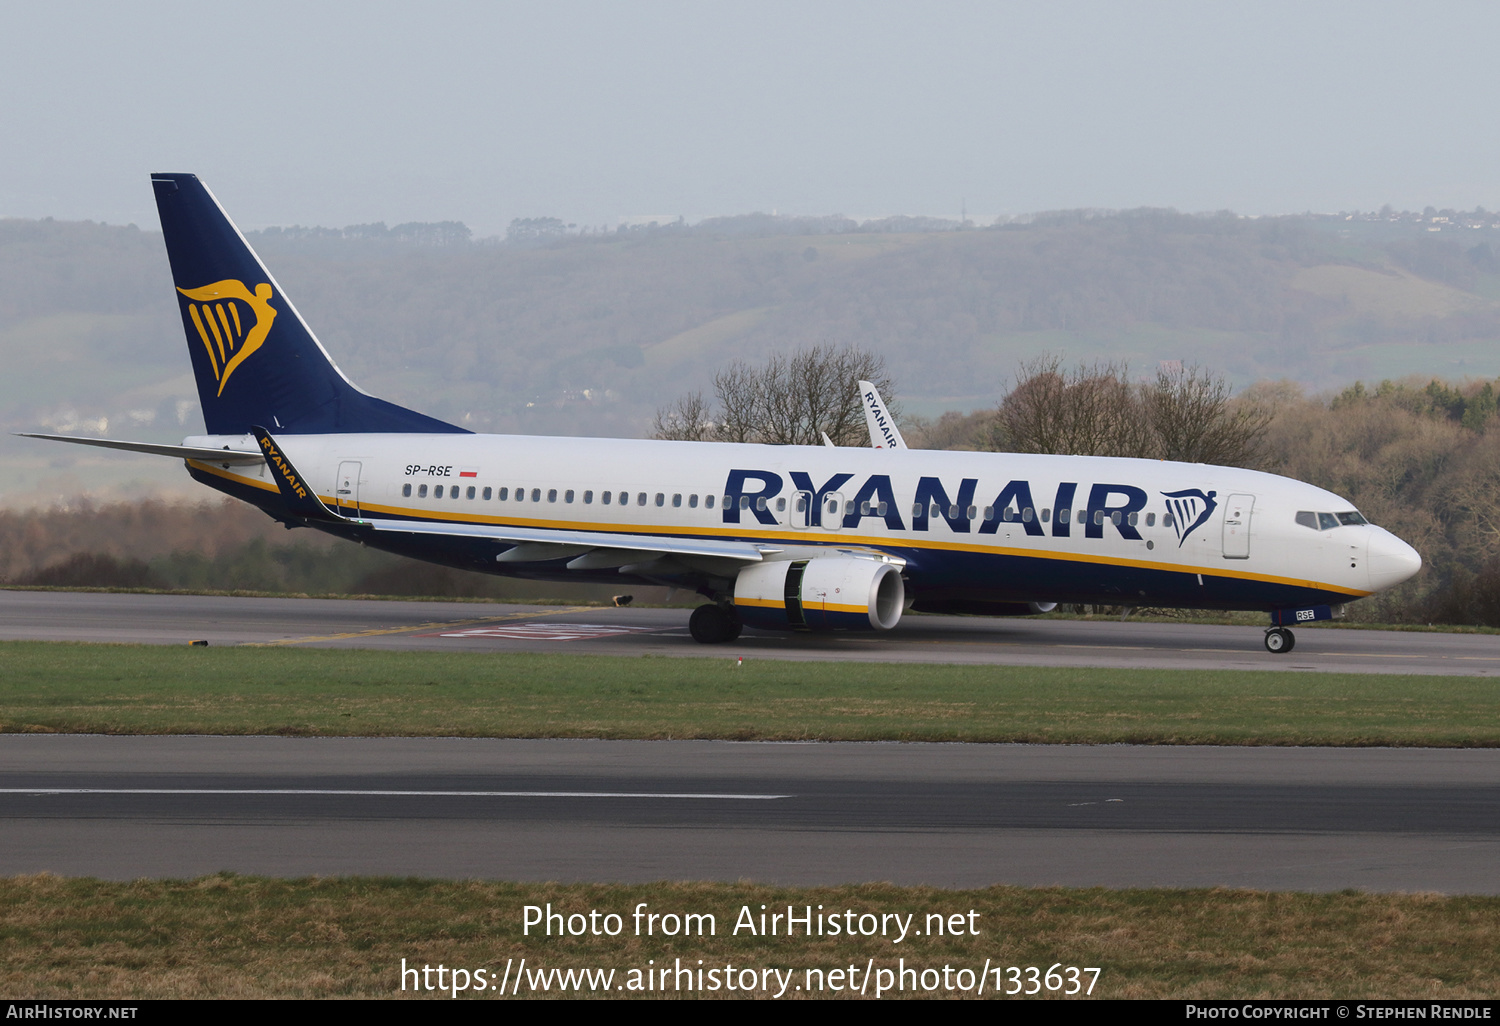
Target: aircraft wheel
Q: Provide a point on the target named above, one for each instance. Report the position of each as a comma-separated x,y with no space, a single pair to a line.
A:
710,625
1279,641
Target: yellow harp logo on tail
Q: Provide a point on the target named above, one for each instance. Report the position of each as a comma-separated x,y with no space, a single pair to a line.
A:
232,321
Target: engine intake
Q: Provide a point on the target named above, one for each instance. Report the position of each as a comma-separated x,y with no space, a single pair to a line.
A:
827,593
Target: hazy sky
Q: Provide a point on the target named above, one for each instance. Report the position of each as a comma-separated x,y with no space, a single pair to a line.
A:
322,113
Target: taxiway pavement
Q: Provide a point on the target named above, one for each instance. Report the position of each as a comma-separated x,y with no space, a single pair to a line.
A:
483,627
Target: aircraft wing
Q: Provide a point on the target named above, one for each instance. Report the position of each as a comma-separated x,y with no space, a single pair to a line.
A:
537,541
182,452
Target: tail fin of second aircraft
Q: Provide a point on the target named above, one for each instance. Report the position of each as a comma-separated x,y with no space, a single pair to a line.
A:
255,360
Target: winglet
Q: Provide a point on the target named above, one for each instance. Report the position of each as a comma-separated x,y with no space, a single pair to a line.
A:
883,431
300,498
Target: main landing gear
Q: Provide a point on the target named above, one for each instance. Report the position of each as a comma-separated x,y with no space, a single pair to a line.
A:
1279,641
712,625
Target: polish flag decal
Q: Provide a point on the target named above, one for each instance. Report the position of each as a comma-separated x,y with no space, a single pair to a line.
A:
468,471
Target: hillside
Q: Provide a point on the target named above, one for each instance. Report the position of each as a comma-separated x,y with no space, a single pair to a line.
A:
582,335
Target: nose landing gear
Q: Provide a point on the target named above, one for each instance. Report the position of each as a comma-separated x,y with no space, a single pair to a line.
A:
1279,641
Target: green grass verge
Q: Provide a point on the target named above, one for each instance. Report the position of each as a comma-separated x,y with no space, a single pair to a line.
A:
128,689
247,937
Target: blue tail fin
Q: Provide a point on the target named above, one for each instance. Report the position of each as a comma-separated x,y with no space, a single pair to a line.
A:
255,360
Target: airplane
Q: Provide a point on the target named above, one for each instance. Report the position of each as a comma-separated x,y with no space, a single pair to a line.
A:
782,538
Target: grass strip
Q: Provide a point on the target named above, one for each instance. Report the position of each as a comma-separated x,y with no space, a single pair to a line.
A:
127,689
250,937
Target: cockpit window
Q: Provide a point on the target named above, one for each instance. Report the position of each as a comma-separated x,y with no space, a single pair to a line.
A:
1328,521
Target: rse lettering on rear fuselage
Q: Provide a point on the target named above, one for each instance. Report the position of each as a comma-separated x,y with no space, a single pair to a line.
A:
775,537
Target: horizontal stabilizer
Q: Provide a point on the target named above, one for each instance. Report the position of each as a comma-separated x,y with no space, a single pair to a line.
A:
234,457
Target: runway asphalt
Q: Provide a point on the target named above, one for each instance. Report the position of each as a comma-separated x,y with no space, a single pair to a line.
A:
482,627
942,815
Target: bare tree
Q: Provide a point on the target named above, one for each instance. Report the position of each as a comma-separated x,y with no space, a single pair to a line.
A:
1090,410
686,420
789,400
1094,410
1193,418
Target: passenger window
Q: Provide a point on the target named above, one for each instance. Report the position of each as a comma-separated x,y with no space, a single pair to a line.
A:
864,509
1307,518
781,505
973,512
604,499
503,494
437,493
708,502
1150,519
1008,514
421,491
588,498
1134,519
880,509
760,503
693,501
406,490
989,514
661,500
640,500
536,495
727,502
1064,515
1046,514
551,494
568,495
486,492
471,491
1327,521
916,509
1026,515
1166,520
676,500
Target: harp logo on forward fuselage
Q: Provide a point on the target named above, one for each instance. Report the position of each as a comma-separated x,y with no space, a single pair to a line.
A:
232,321
1191,509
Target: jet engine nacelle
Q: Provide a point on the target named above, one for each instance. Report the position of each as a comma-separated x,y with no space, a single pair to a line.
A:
826,593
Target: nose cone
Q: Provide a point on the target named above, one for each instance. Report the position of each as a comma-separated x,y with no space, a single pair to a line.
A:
1390,560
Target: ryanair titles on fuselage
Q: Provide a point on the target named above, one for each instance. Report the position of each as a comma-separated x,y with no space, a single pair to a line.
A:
751,491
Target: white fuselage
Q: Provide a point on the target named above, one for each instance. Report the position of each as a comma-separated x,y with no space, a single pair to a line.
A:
1062,527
